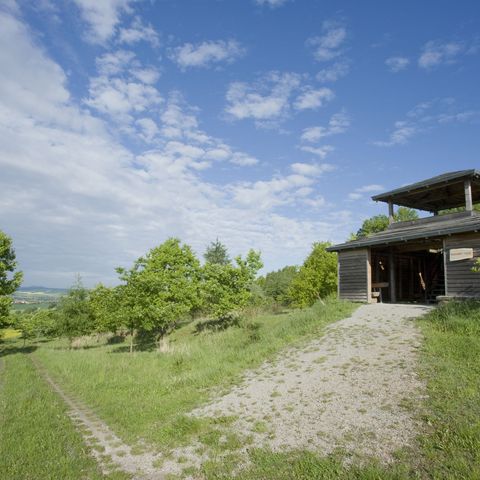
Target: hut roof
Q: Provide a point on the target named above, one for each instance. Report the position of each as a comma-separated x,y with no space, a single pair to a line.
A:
436,193
423,228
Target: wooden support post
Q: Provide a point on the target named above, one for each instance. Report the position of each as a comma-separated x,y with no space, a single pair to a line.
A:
391,269
468,196
390,212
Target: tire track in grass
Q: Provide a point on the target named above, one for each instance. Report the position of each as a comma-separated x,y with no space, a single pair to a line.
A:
108,449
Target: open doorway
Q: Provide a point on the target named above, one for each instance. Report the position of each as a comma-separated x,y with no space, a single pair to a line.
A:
418,275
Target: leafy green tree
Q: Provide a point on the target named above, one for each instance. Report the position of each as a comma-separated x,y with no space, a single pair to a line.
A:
74,313
276,284
161,288
10,280
227,288
379,223
317,277
217,253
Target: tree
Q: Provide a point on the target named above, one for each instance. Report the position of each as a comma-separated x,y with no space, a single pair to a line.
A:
276,284
227,288
317,277
75,315
10,280
161,288
216,253
379,223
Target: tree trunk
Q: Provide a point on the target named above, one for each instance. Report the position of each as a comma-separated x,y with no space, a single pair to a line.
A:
131,340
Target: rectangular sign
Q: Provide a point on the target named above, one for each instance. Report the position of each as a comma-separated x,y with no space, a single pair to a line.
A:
457,254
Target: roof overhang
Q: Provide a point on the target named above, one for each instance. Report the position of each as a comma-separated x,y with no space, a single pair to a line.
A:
437,193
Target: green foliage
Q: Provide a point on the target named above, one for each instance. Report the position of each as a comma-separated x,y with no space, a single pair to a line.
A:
379,223
317,277
227,288
216,253
276,284
161,288
9,279
74,313
106,305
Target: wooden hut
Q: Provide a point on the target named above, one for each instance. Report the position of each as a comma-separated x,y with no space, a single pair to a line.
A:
421,260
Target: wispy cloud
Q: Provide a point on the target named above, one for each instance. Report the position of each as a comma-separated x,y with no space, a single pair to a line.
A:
358,193
397,64
271,3
338,123
264,101
102,17
330,43
312,98
436,53
320,152
138,32
333,72
207,53
423,117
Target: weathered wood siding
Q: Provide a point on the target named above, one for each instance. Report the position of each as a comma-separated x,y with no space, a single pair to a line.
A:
353,275
460,280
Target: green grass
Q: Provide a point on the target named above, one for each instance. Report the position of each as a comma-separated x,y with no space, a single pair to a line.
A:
146,395
37,439
451,363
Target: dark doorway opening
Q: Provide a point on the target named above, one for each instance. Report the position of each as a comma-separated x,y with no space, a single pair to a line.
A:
408,275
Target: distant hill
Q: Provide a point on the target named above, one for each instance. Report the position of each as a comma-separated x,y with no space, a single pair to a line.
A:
43,289
37,296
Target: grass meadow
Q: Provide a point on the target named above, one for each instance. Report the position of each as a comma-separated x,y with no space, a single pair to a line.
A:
146,396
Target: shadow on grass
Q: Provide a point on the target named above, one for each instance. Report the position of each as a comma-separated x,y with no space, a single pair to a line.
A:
6,349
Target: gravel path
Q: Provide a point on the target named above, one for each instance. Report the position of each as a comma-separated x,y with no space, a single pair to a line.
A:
351,390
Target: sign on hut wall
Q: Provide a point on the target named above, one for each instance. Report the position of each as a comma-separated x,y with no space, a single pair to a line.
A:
457,254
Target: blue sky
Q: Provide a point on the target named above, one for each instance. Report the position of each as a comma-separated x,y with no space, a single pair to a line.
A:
267,123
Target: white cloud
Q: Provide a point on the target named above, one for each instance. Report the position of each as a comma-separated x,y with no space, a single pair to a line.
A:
333,72
338,123
271,3
370,188
206,54
329,45
120,98
113,63
103,204
265,101
103,17
147,75
358,193
401,133
311,169
321,152
397,64
313,98
423,117
435,53
138,32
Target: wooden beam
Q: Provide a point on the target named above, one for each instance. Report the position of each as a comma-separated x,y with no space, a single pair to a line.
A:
390,212
468,196
391,269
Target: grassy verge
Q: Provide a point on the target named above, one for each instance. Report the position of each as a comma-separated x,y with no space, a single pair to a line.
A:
451,364
146,395
37,439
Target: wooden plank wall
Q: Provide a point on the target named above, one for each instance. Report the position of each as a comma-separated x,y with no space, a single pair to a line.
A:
353,275
460,280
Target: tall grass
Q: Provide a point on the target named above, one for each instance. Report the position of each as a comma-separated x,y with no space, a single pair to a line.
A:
146,395
451,364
